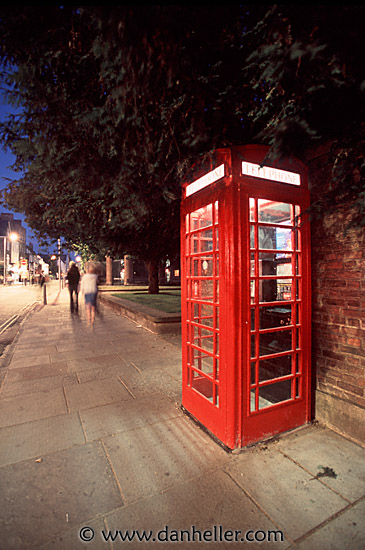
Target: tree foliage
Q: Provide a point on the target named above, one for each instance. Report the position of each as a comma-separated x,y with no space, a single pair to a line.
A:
116,103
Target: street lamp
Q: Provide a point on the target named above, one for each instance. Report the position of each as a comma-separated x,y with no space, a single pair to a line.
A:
12,237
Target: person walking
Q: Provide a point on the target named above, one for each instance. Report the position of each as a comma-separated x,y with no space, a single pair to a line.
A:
89,288
73,279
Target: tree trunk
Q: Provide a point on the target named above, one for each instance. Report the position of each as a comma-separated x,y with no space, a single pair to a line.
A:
109,270
152,267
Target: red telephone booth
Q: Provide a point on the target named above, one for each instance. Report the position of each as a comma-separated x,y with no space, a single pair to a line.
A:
245,263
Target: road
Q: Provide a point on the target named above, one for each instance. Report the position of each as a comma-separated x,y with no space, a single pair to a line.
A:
15,302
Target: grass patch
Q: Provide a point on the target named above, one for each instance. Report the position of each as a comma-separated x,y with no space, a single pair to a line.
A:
169,302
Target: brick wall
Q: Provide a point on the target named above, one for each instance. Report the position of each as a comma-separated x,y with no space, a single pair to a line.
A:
338,306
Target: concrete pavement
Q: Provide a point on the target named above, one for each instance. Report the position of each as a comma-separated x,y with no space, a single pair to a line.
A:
93,443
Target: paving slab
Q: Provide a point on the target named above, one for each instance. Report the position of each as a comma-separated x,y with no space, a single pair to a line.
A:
153,458
95,393
209,503
343,459
42,499
344,532
25,408
10,389
37,372
288,494
144,383
38,438
125,416
91,359
30,351
71,539
22,362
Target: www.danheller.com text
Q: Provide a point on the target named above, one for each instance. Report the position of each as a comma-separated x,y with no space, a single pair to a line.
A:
216,534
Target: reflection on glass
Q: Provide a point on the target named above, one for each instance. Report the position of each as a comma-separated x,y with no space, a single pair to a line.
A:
252,236
253,350
274,367
273,290
274,212
253,373
275,316
203,241
274,393
275,238
201,218
202,361
203,267
203,314
252,210
203,338
275,264
203,386
252,318
275,342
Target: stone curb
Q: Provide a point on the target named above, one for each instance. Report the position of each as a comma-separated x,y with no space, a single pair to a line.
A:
154,320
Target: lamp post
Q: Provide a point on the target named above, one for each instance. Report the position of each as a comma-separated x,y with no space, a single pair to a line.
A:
12,237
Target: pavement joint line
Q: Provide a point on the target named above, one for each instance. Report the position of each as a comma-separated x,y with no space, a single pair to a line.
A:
123,497
327,521
135,366
82,426
64,395
261,508
126,387
314,476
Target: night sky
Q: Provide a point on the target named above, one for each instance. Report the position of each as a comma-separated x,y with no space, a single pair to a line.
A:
6,160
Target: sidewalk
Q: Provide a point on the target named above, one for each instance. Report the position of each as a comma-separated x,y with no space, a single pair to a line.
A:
91,435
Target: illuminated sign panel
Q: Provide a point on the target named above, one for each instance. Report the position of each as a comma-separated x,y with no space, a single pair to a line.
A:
205,180
268,173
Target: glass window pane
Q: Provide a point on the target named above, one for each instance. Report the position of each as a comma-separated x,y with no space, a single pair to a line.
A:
275,367
252,318
202,290
252,291
203,267
252,264
203,386
252,400
253,351
275,316
275,238
216,208
253,373
203,314
252,210
203,338
275,264
275,342
201,218
252,236
203,241
274,212
200,360
275,291
274,393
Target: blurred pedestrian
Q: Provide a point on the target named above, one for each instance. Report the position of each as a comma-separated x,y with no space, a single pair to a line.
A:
73,279
89,288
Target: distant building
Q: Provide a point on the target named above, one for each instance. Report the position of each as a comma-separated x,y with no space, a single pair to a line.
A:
12,252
